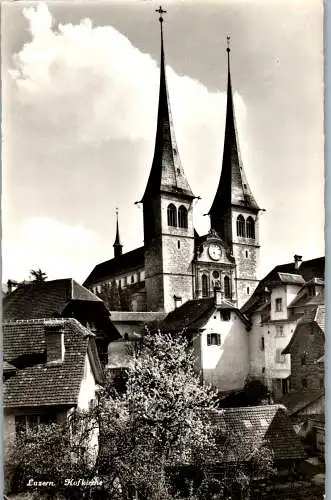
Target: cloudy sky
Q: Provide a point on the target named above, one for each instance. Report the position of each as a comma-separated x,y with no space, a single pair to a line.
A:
80,90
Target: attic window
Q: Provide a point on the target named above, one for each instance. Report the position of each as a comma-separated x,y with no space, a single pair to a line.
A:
178,171
247,424
175,152
213,339
245,186
225,315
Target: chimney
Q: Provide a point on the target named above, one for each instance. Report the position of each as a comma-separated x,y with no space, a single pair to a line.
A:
297,262
218,296
54,338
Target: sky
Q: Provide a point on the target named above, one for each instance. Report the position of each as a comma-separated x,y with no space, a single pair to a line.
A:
80,92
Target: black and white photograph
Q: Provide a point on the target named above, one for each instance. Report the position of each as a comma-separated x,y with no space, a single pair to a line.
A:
163,253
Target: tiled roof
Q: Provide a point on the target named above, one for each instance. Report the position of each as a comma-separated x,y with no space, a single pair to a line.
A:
7,367
44,383
249,428
110,268
46,299
192,314
309,269
296,279
297,401
313,316
304,299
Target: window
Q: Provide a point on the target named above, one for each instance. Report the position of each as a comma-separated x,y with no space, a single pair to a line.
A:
227,287
279,305
178,244
304,383
250,228
262,346
182,217
216,275
280,358
204,282
304,358
132,279
280,331
248,290
225,315
246,254
240,226
172,215
24,424
321,383
213,339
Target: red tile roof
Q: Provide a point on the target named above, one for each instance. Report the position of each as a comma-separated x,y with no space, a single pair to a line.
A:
247,429
36,382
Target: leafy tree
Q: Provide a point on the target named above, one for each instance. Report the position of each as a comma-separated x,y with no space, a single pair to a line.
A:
38,275
152,437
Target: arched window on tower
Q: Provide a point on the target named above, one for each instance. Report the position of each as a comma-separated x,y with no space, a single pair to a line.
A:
250,228
240,226
182,217
204,285
172,215
227,287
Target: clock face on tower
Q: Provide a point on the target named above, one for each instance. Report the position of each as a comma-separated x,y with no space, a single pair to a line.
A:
214,251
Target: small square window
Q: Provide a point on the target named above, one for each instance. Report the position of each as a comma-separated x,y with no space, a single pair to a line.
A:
279,305
213,339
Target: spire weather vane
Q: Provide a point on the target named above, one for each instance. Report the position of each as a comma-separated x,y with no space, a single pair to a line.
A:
228,38
160,11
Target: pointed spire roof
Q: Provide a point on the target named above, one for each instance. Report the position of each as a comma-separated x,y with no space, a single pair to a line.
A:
117,243
233,188
167,174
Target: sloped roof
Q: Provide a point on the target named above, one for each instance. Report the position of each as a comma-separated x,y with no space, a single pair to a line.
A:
43,383
247,429
313,316
194,314
233,188
297,401
110,268
167,174
309,269
45,299
289,278
305,299
7,367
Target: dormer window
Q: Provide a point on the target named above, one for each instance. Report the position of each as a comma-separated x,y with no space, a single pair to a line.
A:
278,305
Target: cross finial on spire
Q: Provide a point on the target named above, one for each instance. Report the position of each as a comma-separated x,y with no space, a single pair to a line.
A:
160,11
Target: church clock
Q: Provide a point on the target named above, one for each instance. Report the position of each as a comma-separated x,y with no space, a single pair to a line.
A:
214,251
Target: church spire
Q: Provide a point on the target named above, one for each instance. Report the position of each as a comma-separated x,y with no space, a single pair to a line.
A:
117,243
233,188
166,173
